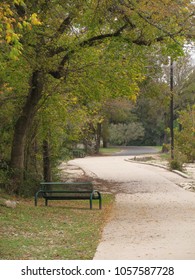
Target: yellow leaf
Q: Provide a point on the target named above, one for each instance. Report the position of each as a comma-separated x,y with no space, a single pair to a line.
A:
35,20
8,26
20,25
133,98
8,38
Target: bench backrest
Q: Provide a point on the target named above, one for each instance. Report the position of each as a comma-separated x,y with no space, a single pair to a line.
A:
66,189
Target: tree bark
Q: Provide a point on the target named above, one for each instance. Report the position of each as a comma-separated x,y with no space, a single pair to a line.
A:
22,125
105,133
98,138
46,162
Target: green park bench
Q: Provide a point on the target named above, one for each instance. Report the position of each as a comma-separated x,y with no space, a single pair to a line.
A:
68,191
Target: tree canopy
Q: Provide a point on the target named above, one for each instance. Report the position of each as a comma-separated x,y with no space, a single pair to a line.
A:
61,58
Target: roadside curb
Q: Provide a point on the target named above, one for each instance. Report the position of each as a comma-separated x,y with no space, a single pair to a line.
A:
160,166
181,174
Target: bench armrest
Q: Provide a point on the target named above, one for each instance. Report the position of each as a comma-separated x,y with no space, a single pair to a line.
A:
37,194
99,197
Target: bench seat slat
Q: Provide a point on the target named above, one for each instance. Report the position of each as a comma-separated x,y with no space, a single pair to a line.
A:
68,191
67,198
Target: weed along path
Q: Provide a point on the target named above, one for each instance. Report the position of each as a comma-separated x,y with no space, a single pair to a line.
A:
152,218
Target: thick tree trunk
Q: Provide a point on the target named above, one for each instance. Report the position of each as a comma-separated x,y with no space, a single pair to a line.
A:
46,162
22,125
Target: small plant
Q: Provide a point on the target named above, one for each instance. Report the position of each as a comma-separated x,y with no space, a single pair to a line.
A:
178,162
176,165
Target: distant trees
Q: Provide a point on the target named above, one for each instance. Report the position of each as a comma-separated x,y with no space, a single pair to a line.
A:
61,62
125,134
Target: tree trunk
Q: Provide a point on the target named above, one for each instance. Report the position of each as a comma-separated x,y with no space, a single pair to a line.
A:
22,125
105,133
98,138
46,162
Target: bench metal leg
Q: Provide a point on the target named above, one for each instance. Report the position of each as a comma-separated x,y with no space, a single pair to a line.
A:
35,200
91,203
36,196
100,202
99,198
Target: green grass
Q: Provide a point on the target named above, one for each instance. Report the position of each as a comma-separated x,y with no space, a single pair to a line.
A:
65,230
158,148
165,156
109,150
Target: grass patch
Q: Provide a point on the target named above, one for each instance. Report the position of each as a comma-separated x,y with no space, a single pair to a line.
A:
65,230
165,156
106,151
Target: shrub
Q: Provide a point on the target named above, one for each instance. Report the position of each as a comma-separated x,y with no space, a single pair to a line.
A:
175,164
185,138
178,162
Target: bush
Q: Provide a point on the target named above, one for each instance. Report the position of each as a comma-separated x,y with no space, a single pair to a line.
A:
185,139
178,162
176,165
30,185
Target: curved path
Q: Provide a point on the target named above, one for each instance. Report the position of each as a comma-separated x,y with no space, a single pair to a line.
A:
153,218
137,150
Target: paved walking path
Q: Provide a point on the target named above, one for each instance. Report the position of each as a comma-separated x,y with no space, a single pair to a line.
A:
152,218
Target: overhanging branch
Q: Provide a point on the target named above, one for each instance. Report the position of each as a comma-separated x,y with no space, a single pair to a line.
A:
88,42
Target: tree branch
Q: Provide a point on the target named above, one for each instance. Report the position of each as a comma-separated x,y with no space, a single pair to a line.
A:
64,25
88,42
101,37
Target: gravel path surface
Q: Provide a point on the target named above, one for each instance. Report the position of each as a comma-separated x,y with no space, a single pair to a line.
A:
153,216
